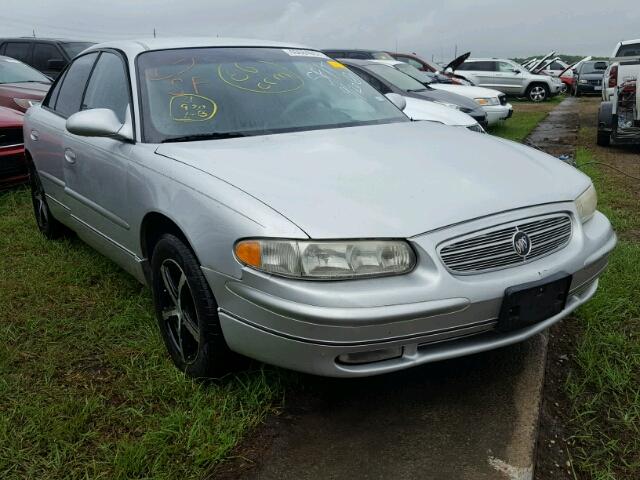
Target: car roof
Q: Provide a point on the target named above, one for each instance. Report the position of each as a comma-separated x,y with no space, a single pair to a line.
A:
387,62
43,39
363,50
135,46
628,42
478,59
363,63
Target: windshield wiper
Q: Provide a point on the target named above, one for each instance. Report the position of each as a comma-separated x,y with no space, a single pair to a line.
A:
417,90
204,136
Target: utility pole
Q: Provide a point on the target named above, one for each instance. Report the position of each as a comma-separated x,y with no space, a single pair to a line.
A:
154,32
455,55
34,33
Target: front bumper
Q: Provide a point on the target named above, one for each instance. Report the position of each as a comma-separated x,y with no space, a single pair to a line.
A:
427,315
496,113
13,166
556,88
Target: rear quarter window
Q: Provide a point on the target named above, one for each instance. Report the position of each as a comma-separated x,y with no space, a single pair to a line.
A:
631,50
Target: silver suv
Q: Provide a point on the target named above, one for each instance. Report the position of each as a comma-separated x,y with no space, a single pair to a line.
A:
510,78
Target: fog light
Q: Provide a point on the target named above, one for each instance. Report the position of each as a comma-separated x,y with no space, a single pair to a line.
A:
370,356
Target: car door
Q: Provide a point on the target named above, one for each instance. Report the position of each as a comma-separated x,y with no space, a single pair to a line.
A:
508,78
42,53
47,132
96,168
480,72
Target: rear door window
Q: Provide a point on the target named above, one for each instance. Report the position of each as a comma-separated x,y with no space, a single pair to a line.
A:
631,50
74,84
42,53
19,50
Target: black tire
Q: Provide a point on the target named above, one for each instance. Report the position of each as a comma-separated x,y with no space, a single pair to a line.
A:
604,138
46,222
537,92
180,293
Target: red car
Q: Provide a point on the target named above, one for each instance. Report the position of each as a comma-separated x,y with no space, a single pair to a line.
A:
13,165
445,73
21,85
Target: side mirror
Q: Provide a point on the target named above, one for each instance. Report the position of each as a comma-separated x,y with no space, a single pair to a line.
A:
516,71
398,100
56,64
98,122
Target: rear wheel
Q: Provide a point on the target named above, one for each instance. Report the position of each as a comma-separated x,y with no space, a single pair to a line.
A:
537,92
47,224
604,138
187,312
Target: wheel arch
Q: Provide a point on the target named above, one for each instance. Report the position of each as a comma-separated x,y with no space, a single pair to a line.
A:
153,226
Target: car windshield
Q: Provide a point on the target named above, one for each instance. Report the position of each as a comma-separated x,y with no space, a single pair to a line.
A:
590,67
74,48
397,78
14,71
413,72
222,92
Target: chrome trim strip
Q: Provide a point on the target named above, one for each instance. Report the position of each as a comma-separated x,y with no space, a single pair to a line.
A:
110,240
51,178
97,208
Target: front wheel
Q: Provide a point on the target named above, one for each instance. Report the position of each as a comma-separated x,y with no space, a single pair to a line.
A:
187,312
537,93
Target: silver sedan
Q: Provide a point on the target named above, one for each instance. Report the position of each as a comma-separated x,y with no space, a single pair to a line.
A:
282,209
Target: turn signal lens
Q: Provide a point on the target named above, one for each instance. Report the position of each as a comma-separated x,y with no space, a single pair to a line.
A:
327,260
248,252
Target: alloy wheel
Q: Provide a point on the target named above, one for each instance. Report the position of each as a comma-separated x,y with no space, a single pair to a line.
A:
538,93
179,311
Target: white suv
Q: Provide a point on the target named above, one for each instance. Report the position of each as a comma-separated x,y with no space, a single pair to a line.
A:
510,78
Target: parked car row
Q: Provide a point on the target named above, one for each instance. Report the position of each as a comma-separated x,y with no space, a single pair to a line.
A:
281,206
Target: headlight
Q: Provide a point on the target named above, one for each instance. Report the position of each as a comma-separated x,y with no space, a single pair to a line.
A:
487,101
586,203
25,102
583,81
327,260
450,105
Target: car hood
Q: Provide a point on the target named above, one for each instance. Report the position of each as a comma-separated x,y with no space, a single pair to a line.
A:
440,95
592,76
418,109
394,180
26,90
468,91
456,62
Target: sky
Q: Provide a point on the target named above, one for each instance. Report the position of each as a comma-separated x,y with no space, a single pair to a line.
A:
497,28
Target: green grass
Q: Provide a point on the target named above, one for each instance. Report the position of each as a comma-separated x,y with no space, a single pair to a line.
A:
604,387
526,116
86,387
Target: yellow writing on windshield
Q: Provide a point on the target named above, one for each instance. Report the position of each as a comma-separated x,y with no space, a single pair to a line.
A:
192,108
260,77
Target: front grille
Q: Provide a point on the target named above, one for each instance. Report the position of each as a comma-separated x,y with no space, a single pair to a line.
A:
503,99
10,136
595,82
493,248
12,165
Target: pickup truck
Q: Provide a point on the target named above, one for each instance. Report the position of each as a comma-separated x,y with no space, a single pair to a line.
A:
619,114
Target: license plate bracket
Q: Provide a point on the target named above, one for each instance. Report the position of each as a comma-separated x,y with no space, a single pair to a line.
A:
530,303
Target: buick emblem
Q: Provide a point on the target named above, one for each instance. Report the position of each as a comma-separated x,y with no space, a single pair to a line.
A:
521,243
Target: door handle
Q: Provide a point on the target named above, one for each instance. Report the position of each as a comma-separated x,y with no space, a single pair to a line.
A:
69,156
34,135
